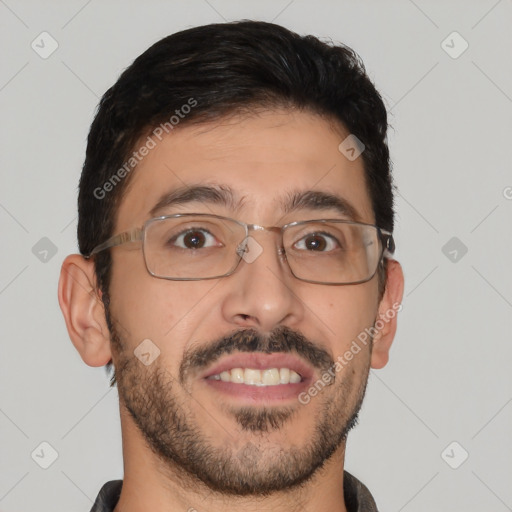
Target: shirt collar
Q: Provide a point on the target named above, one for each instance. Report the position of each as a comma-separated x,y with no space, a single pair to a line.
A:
357,496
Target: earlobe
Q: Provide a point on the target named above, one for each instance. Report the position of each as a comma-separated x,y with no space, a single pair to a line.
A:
386,321
83,310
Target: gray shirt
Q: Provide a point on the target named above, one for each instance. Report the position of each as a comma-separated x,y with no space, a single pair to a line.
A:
357,496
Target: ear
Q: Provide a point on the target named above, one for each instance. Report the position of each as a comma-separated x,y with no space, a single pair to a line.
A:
83,310
386,321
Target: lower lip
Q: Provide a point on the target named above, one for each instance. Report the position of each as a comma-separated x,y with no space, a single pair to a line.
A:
252,394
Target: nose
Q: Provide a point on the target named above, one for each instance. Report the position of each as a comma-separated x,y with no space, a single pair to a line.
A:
261,292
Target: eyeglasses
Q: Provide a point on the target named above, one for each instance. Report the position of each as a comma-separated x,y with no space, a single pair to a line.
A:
196,246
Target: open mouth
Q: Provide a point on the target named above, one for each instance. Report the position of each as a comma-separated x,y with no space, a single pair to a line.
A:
257,377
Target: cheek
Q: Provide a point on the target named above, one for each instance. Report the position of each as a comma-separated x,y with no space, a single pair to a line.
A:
144,307
349,313
132,301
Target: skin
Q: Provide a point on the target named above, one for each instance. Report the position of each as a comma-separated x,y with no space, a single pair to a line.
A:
260,157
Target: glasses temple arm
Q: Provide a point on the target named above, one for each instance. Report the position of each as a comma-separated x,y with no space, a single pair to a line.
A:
123,238
388,243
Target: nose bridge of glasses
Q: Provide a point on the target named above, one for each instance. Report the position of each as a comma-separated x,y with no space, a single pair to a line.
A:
242,247
272,229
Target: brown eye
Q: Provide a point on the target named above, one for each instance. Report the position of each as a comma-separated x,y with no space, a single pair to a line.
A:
315,242
194,239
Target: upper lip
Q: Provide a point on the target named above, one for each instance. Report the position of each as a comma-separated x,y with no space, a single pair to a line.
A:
260,361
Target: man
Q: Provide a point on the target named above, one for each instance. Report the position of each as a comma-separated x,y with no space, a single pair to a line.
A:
235,229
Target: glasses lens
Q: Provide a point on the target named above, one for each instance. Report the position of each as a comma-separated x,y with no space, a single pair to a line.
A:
192,246
204,247
332,252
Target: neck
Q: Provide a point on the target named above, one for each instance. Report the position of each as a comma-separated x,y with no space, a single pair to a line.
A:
149,484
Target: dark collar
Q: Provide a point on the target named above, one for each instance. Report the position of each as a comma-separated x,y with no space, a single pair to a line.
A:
357,496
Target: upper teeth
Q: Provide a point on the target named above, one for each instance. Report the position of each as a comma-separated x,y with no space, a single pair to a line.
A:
253,377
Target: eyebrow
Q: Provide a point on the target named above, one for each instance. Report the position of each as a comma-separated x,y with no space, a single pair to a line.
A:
223,195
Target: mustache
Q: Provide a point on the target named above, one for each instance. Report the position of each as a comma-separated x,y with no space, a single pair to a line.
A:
281,339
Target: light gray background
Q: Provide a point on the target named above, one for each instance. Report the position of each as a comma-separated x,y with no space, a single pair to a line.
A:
449,374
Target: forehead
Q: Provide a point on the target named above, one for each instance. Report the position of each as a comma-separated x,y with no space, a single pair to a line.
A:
263,165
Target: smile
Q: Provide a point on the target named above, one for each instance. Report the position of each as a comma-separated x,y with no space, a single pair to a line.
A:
257,377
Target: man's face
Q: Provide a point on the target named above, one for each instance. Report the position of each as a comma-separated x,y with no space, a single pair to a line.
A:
239,437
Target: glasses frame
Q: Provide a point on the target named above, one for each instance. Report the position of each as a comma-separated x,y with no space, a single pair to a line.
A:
387,244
